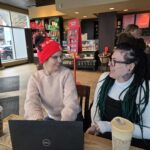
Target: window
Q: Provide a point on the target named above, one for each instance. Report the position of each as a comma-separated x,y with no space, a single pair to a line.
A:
19,20
12,36
6,44
20,45
4,18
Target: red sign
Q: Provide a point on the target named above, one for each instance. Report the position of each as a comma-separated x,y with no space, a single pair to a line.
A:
74,36
142,20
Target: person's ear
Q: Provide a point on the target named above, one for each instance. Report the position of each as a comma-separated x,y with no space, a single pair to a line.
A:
131,67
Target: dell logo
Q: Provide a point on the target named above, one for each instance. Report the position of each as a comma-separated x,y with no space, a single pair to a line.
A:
46,142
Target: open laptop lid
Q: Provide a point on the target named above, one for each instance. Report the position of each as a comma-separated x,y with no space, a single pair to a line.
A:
46,135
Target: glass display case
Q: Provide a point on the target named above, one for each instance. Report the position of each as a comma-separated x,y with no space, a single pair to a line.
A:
87,59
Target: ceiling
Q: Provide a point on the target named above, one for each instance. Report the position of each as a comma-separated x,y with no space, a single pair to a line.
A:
87,7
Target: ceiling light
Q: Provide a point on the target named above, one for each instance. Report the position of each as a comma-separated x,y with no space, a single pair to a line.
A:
111,8
76,12
84,16
125,10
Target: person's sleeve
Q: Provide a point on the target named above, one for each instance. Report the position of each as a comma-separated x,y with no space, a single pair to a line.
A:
146,123
104,126
70,101
95,114
32,106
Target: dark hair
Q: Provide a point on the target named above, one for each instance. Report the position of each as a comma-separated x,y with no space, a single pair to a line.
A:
131,27
130,109
126,37
39,39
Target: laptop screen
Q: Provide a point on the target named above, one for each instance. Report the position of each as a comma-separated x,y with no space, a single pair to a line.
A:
46,135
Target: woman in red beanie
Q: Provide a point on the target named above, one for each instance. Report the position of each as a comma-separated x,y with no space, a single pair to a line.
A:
52,88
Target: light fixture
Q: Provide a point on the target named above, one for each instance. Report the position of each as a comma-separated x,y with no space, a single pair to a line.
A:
84,16
76,12
111,8
125,10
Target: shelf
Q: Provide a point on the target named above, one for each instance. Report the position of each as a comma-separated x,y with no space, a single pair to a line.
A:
51,26
89,50
87,64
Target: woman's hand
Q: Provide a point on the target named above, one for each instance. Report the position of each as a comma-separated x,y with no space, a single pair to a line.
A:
94,129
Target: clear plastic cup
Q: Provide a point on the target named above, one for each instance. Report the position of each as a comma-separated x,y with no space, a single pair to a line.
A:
122,130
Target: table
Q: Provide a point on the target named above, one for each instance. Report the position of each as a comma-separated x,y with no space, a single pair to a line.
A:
91,142
5,142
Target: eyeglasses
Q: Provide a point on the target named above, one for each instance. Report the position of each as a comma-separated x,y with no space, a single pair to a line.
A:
114,62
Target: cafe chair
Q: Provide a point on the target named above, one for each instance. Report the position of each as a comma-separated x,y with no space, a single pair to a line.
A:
84,94
10,106
9,103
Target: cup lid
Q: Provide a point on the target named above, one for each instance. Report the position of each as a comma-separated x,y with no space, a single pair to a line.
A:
122,124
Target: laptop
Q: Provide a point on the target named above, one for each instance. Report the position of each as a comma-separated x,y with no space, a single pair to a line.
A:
46,135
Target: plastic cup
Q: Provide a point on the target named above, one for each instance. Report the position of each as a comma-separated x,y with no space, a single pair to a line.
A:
122,130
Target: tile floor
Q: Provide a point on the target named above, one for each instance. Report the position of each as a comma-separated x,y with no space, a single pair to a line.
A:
24,71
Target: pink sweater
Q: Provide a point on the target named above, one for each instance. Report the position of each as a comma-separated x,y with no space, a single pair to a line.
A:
56,93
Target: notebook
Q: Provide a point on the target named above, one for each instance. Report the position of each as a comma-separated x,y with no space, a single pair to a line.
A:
46,135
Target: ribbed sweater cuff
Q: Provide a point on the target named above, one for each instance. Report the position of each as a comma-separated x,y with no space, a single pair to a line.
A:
104,126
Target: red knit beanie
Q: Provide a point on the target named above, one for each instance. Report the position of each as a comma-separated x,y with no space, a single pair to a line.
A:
48,48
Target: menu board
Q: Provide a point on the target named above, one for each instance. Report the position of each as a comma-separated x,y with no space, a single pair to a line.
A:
128,19
142,20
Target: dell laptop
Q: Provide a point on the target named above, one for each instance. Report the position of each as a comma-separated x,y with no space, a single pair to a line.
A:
46,135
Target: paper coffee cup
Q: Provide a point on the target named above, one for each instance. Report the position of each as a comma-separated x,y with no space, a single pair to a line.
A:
122,130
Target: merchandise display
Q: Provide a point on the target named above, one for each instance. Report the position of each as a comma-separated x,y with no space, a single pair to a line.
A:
52,26
86,59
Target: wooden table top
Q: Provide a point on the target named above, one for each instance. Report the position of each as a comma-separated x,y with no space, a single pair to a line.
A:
91,142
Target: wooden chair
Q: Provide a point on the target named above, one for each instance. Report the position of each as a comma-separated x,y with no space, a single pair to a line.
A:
84,94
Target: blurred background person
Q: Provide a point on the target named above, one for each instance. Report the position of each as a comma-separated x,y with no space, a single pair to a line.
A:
130,31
